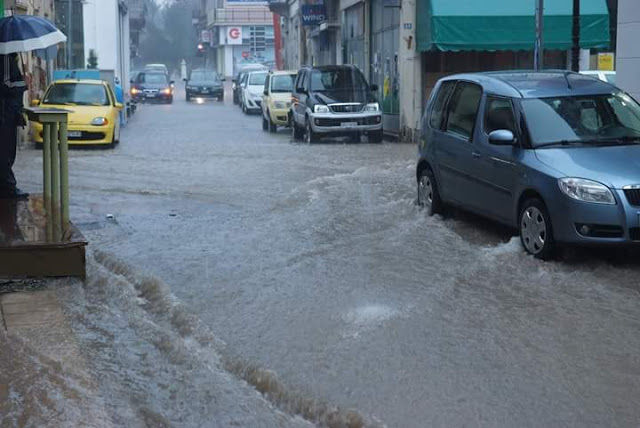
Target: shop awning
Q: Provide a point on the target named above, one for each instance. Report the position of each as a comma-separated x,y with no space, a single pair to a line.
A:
492,25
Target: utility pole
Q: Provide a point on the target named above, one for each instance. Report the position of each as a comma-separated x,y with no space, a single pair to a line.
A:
70,34
538,58
575,47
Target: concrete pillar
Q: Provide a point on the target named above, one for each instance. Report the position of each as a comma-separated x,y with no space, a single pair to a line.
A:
228,61
410,70
367,39
628,50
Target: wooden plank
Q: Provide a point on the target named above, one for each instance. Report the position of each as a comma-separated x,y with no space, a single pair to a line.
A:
43,261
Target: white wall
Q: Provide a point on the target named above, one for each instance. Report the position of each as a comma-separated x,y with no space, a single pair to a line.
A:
628,50
100,32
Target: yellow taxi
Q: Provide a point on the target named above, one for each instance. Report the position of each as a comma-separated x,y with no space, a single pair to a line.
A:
94,117
276,99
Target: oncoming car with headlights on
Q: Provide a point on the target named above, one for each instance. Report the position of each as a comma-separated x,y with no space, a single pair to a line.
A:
94,111
554,154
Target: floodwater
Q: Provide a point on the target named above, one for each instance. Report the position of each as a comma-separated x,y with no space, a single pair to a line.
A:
234,262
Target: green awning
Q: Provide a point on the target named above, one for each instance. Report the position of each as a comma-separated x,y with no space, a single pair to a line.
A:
492,25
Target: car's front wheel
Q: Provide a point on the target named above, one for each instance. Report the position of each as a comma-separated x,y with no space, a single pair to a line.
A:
375,137
309,135
296,132
428,195
536,233
265,123
273,128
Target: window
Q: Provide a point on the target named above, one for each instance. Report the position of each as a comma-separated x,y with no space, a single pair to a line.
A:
439,103
463,109
77,94
282,83
257,78
303,80
582,118
155,78
204,76
499,115
338,80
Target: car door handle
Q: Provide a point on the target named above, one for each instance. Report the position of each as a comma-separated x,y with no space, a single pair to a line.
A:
476,155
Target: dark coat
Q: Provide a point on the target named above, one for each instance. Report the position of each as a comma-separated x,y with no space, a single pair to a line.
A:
12,87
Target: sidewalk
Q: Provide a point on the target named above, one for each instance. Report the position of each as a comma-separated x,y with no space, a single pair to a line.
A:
41,367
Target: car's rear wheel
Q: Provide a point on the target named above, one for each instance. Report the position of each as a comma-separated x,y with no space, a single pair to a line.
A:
428,195
536,233
296,132
221,98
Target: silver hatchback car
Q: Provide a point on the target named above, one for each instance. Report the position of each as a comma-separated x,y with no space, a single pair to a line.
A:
555,154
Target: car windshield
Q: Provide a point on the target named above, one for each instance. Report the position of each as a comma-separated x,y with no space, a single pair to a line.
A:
77,94
282,83
592,118
202,76
257,78
344,79
153,78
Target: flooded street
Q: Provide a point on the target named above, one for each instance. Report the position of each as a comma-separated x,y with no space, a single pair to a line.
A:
225,260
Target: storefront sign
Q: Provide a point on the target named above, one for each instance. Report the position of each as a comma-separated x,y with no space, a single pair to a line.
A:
234,35
606,61
313,14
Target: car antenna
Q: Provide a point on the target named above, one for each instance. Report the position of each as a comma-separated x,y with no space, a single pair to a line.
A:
566,77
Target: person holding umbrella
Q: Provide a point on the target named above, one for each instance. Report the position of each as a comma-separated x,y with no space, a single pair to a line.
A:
12,86
18,33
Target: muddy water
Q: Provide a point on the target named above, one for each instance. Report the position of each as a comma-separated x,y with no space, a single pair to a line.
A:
313,263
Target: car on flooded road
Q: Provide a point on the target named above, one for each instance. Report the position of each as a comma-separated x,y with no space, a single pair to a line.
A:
554,154
152,86
94,111
276,99
252,88
331,101
204,84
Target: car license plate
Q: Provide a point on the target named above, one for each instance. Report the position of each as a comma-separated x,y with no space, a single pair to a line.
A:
74,134
151,95
348,124
205,91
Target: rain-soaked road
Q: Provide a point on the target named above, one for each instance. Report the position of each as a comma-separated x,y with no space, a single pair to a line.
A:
313,262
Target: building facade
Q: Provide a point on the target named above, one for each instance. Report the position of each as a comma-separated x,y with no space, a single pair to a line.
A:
242,33
628,50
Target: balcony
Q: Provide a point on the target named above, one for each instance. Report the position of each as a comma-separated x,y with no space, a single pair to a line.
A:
281,7
137,12
233,16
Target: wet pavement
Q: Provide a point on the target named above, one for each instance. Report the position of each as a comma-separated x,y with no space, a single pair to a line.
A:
309,272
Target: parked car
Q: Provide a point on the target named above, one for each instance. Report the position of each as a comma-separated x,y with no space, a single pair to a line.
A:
605,76
276,99
554,154
152,86
204,83
236,86
94,111
252,88
334,101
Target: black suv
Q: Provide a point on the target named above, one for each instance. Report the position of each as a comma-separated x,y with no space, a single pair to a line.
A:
334,100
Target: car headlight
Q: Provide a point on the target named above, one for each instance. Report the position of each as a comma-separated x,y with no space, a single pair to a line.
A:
321,108
166,91
584,190
372,107
279,104
99,121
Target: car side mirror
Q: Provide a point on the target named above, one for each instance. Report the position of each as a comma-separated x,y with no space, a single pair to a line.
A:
132,81
301,90
502,137
35,103
266,93
233,80
184,80
223,79
172,82
374,88
119,106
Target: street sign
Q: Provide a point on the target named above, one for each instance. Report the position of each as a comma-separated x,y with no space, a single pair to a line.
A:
234,35
313,14
606,61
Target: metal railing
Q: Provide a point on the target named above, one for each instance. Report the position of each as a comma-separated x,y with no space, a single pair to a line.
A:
262,16
55,170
